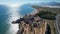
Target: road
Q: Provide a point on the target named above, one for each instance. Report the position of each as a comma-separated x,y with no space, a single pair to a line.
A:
57,25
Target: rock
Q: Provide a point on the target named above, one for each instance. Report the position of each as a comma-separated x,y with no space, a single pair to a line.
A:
28,24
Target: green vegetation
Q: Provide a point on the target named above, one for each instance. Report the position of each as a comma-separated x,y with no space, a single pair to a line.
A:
47,15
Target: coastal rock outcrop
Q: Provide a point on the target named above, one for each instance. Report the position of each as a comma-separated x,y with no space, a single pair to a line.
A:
31,24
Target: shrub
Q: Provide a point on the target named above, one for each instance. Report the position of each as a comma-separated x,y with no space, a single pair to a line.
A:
47,15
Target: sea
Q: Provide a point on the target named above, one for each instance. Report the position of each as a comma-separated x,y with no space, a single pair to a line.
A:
12,12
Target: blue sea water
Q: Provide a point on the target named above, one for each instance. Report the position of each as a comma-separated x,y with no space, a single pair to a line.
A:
9,14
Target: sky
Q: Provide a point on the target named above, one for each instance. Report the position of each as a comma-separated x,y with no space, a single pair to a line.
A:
26,1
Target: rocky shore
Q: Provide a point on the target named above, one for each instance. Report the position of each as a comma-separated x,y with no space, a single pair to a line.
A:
31,24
